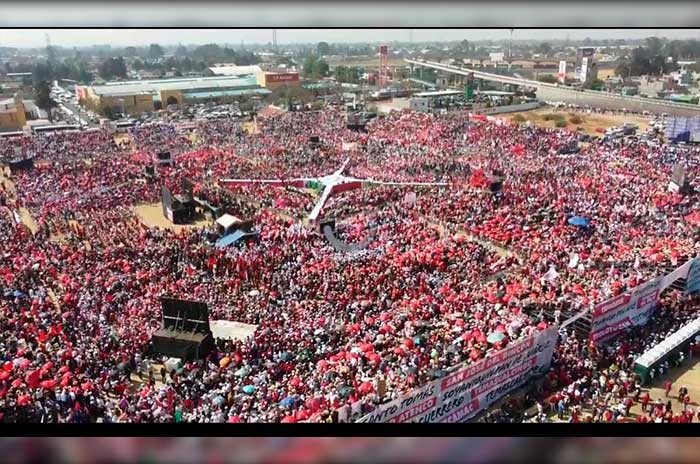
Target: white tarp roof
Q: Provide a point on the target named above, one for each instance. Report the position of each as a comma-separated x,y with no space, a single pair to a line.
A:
234,70
227,221
669,344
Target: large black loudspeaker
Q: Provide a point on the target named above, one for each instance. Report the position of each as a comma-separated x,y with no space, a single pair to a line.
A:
185,333
164,157
496,186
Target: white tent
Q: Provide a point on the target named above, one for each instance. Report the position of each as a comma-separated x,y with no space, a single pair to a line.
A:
227,221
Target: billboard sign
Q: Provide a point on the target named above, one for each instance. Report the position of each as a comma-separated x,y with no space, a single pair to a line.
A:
633,308
561,77
273,78
497,57
584,69
468,390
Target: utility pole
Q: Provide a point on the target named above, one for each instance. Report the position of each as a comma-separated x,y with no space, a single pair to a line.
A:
510,50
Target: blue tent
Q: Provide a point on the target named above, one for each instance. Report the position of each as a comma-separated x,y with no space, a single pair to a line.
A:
232,238
579,221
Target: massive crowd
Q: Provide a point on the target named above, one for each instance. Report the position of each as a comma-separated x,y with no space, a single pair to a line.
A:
80,296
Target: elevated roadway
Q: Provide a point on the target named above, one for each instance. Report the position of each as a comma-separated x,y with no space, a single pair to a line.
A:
559,93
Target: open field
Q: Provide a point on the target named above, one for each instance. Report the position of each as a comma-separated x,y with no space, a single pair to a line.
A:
588,125
151,215
687,375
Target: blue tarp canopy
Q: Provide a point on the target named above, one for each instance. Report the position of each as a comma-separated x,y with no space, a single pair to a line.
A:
579,221
232,238
496,337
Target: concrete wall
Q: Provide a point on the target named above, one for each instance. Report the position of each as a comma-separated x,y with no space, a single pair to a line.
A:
613,102
509,108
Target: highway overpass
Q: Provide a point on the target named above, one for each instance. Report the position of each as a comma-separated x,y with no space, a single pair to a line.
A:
558,93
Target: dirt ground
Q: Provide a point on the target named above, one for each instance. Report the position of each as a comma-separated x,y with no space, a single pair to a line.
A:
687,375
251,127
589,124
151,215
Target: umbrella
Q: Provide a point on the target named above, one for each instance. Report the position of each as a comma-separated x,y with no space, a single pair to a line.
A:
579,221
305,355
495,337
286,356
248,389
242,372
288,402
345,391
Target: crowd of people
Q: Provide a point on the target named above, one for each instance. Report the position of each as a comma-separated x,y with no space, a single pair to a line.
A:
80,296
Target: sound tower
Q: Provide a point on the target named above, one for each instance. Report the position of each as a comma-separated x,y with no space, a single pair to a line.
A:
185,333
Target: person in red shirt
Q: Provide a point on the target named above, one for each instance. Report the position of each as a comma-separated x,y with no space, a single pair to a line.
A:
645,401
668,385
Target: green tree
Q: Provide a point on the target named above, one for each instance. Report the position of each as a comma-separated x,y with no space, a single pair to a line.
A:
545,48
320,69
42,97
209,53
323,49
180,51
42,72
594,84
548,78
653,45
155,51
113,67
309,63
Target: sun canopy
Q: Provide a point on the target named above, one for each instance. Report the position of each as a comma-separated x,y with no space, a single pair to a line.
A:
579,221
230,239
226,221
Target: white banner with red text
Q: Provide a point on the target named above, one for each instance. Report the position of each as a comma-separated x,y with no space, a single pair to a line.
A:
465,392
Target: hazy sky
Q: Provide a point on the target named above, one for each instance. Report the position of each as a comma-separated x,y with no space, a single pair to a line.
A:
122,37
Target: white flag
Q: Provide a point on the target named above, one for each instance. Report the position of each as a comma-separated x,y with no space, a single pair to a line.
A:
551,275
573,261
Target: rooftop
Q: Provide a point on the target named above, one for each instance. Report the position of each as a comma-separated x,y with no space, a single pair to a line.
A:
234,70
124,88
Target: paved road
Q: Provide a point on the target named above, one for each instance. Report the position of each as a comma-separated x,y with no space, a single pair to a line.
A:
76,109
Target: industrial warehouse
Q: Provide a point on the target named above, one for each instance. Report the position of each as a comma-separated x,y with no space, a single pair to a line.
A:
136,97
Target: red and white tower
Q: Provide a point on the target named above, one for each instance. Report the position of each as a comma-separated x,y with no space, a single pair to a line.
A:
383,65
